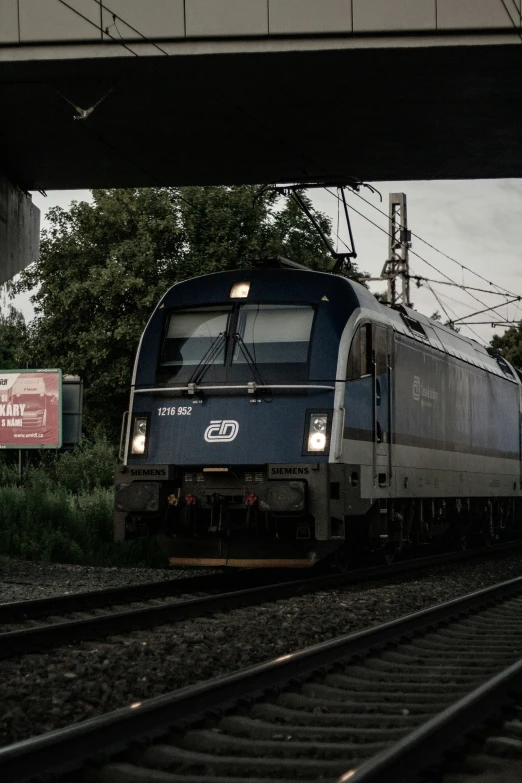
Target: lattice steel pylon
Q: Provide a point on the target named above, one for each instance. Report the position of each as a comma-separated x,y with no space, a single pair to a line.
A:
396,268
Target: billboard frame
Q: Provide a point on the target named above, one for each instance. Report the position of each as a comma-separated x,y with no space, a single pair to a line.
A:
23,446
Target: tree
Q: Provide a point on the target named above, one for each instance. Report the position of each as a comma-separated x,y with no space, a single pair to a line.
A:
436,316
104,265
509,345
14,348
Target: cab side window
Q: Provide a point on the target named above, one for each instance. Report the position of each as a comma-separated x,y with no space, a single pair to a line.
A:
360,356
381,350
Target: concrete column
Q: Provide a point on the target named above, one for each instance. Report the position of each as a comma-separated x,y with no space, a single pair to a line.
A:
19,230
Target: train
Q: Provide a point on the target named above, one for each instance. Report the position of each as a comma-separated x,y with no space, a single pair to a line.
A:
284,417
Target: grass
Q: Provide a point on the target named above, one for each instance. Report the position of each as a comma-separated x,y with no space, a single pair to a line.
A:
62,513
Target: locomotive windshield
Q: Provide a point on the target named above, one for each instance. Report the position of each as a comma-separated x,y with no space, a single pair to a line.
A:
233,343
192,334
274,334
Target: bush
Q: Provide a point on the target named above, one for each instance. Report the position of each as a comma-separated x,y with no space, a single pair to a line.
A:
63,513
89,465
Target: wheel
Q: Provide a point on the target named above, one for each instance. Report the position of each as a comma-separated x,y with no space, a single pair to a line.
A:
342,560
462,542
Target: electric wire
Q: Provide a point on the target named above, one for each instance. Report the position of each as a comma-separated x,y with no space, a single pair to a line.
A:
454,319
518,11
519,33
488,323
421,279
440,304
457,302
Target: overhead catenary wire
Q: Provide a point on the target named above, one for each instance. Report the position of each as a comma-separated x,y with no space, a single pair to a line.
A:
459,302
518,11
487,309
440,304
422,279
287,143
517,30
488,323
453,320
468,306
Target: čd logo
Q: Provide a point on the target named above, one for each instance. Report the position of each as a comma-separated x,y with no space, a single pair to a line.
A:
221,430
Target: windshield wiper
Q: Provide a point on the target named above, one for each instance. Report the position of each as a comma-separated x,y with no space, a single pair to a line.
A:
250,360
207,359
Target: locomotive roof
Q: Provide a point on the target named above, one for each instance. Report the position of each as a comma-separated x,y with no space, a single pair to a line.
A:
413,324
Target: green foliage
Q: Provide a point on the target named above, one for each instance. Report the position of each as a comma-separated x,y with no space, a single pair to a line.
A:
509,345
89,466
436,316
13,340
8,469
64,511
103,267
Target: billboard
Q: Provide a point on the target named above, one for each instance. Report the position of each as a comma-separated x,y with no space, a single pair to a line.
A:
30,409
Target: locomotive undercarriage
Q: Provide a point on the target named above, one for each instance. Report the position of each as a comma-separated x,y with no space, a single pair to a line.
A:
399,527
242,517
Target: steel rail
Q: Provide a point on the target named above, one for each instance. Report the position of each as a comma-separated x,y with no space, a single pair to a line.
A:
17,611
37,608
427,745
100,739
24,641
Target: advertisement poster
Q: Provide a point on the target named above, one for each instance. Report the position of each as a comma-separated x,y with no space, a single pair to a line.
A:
30,409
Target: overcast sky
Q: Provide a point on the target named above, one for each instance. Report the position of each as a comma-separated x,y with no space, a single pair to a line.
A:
476,222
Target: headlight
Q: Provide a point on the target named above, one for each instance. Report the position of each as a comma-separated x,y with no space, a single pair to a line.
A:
318,432
139,435
239,290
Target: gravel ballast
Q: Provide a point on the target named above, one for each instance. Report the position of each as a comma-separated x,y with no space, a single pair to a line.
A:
23,581
39,693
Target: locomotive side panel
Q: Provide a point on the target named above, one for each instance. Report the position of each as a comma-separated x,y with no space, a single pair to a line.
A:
456,426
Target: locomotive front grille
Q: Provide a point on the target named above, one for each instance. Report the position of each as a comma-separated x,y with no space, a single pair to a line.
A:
137,496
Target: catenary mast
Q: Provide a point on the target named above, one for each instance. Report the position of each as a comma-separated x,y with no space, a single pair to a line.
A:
396,269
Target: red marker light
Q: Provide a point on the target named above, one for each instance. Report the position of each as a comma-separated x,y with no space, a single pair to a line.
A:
251,499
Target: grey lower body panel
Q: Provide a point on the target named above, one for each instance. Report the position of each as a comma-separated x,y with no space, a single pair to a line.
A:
427,473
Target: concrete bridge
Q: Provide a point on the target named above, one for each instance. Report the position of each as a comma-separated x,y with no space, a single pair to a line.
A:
148,92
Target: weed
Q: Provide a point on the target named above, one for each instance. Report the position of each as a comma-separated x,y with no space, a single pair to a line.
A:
63,512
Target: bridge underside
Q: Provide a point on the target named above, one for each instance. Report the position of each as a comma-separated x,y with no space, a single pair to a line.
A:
445,112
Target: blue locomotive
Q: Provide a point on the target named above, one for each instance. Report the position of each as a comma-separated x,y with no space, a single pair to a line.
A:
280,416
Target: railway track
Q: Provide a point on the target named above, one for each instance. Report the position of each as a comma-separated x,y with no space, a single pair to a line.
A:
150,605
379,705
34,609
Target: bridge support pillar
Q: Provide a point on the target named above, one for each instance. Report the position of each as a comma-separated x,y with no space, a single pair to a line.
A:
19,230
